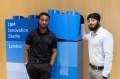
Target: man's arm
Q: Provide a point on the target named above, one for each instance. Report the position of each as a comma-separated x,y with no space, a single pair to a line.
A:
108,50
26,53
53,57
83,32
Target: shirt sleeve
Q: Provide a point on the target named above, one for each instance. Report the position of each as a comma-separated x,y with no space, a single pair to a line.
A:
54,42
83,32
29,39
108,51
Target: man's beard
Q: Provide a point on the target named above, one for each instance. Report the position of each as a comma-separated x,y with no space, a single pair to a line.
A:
95,27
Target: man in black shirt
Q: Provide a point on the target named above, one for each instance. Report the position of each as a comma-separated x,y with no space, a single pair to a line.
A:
40,50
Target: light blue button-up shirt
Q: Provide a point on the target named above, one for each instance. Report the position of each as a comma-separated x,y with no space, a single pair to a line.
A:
100,46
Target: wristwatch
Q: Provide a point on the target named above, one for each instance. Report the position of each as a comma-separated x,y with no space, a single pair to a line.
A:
104,77
25,63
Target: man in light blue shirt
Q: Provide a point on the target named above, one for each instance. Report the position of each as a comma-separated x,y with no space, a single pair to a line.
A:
100,44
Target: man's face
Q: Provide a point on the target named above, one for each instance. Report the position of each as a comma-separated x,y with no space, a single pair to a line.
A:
93,24
43,21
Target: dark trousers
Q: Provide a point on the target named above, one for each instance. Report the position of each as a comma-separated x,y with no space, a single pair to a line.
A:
38,70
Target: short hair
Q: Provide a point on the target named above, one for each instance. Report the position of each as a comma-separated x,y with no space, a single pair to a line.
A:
43,13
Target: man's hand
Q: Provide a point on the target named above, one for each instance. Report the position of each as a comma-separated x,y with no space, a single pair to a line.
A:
82,19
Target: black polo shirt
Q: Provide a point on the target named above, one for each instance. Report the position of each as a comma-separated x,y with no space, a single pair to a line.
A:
41,44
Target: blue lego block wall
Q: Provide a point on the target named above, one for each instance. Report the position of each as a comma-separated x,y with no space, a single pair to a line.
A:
65,26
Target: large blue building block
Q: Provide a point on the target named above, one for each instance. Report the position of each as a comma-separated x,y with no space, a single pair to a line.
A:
65,25
17,29
69,64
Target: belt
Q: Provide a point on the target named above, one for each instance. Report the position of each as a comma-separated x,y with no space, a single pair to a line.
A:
96,67
38,61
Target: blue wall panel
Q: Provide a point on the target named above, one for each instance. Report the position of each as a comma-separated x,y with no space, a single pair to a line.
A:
16,32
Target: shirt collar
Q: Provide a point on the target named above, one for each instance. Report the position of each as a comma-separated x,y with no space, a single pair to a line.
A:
47,32
97,32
